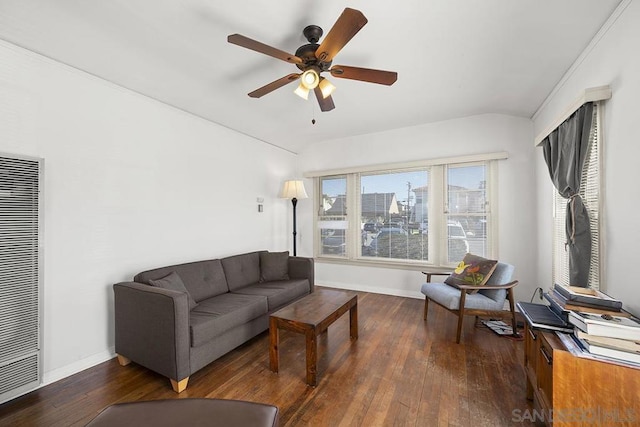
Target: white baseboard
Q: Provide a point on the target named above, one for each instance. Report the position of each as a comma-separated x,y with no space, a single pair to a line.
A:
78,366
373,289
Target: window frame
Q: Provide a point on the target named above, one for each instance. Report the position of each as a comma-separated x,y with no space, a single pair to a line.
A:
437,195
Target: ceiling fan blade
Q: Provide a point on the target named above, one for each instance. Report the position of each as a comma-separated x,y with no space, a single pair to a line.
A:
243,41
347,26
326,104
268,88
364,74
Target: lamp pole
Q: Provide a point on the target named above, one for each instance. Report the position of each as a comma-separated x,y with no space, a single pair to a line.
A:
294,190
294,202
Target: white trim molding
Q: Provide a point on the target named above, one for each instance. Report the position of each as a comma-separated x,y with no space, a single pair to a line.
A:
502,155
593,94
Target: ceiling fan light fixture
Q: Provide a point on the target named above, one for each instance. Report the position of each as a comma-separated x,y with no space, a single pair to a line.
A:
326,87
302,91
310,79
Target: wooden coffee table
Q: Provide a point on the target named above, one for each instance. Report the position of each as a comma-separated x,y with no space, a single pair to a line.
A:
311,316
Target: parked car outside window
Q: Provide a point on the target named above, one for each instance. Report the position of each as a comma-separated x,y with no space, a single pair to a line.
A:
385,234
458,243
371,227
334,244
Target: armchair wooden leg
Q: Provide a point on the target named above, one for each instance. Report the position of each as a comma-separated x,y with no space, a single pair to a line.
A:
463,296
179,386
459,333
514,324
426,308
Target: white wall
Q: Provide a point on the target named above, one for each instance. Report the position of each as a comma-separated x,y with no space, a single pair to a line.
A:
130,184
612,60
471,135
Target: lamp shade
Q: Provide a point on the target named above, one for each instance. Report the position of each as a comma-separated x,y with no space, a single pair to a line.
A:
302,91
293,190
326,87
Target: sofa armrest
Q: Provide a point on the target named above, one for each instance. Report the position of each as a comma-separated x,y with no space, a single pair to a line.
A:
152,328
302,268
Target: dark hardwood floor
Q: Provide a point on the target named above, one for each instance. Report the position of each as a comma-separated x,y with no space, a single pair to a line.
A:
400,371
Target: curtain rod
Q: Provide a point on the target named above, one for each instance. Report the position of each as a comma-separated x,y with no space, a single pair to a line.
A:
593,94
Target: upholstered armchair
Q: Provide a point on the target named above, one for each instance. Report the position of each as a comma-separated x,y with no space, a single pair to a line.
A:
486,300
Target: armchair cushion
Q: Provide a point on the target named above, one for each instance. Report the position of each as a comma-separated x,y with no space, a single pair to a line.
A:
500,276
274,266
173,282
472,270
449,297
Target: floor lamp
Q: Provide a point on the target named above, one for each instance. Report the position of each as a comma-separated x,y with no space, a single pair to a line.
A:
293,190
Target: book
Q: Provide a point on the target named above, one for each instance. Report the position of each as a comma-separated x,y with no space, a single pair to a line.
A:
588,297
615,343
541,316
605,325
611,352
561,306
576,347
557,306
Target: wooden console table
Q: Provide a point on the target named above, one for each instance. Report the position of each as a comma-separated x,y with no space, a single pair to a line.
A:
568,390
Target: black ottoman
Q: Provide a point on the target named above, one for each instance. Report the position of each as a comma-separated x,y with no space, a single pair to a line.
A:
188,412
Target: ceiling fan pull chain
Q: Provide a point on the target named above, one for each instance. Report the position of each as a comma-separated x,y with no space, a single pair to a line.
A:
313,113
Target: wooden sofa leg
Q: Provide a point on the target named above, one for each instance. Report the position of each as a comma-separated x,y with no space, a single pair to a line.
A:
123,361
179,386
426,308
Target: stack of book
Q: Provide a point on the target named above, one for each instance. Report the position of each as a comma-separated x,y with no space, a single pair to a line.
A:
606,335
563,299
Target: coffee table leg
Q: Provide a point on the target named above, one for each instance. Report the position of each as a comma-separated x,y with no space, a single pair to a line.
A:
273,344
353,321
312,357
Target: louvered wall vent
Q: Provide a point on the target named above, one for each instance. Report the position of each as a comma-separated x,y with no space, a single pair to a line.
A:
20,275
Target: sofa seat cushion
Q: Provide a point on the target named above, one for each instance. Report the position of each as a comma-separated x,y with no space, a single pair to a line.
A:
217,315
449,297
278,293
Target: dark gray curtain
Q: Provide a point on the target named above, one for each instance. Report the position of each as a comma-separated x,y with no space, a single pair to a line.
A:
565,150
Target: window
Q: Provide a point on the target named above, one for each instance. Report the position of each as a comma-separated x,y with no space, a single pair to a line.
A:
466,211
332,218
590,193
433,214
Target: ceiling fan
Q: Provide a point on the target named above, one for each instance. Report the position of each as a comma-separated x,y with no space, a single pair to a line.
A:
313,59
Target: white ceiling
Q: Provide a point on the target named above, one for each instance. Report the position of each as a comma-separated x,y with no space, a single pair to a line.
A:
454,58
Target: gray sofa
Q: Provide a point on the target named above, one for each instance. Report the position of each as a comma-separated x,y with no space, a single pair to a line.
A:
175,320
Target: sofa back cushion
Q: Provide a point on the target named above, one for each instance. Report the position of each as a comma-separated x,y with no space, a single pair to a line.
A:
203,279
274,266
242,270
